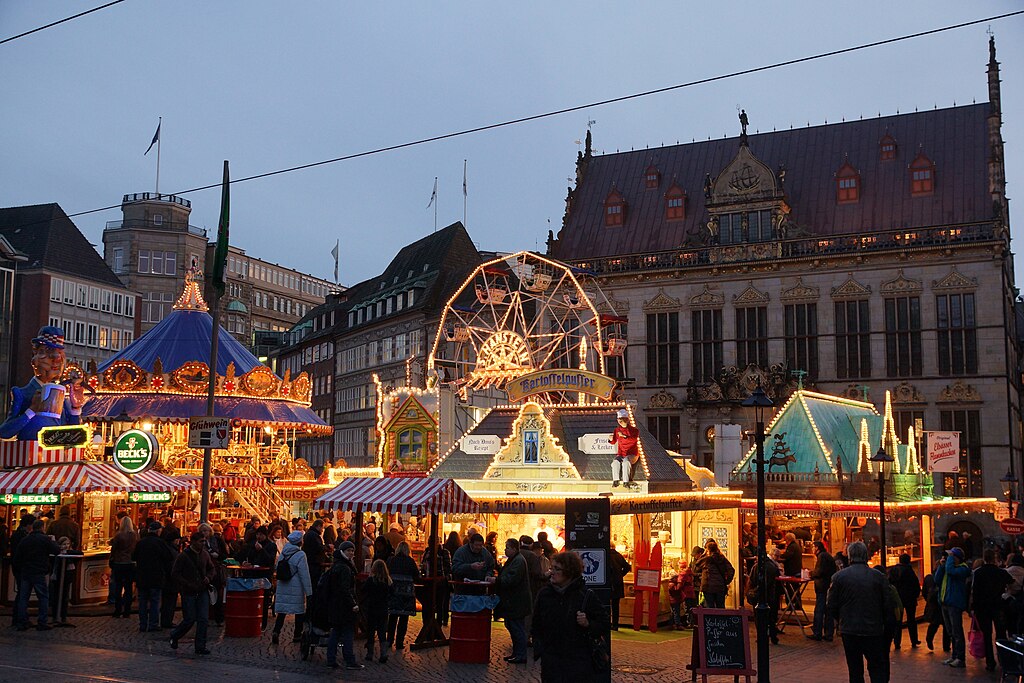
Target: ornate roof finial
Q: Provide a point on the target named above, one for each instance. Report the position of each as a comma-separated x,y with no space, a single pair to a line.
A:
191,298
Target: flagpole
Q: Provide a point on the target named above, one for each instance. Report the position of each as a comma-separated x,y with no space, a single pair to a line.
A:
465,193
159,126
435,203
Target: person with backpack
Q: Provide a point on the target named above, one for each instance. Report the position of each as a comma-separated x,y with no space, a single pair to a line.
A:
716,573
402,604
951,578
342,609
376,596
904,578
293,587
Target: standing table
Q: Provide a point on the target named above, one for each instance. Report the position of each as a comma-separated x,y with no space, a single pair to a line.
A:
793,588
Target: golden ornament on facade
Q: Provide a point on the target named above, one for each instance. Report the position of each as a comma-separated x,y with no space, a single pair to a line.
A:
260,381
123,375
192,377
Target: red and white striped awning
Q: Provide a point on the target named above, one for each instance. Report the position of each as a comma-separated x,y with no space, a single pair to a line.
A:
156,481
77,477
409,495
228,481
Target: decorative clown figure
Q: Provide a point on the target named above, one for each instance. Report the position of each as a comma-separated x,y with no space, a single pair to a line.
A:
625,438
44,402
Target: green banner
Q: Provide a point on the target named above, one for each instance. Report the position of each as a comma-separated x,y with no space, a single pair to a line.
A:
30,498
149,496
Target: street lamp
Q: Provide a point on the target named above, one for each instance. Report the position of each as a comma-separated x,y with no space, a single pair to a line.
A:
881,458
1009,482
757,402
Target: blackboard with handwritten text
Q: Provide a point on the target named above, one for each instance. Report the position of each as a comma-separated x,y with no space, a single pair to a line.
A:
722,642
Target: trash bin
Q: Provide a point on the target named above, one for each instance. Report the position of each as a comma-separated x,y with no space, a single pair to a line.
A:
243,608
470,638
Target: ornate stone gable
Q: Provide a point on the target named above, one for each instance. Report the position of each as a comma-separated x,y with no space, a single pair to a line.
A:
851,289
707,299
662,301
531,452
959,392
955,282
751,296
745,179
799,292
612,306
663,400
900,285
905,393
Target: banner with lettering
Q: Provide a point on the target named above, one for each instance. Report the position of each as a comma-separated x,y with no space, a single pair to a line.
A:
943,451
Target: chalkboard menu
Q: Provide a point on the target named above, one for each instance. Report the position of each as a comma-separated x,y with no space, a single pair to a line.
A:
722,642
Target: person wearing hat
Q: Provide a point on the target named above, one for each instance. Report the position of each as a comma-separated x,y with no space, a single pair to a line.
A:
951,578
153,561
43,402
625,438
291,593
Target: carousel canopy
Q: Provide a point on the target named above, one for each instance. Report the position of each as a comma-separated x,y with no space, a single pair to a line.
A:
409,495
86,477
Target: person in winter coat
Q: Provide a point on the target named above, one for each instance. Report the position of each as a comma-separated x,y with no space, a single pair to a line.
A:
444,573
65,526
689,592
772,572
904,578
376,596
824,569
534,571
516,600
402,605
675,596
618,568
566,616
153,562
122,570
951,578
291,594
382,549
860,601
32,563
697,567
933,612
343,611
716,574
193,572
169,595
990,581
316,551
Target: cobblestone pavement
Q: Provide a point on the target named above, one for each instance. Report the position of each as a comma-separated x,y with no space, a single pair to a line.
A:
103,648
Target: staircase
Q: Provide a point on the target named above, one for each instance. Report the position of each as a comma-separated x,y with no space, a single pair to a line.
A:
263,500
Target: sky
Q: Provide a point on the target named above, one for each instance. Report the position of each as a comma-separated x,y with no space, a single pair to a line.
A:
271,85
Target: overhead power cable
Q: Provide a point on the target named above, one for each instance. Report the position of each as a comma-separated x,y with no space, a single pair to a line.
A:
590,105
60,21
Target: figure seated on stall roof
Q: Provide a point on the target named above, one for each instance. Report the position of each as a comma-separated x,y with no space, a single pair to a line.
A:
44,402
625,438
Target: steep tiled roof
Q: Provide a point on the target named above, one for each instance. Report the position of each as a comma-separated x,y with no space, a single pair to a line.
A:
955,139
52,241
567,424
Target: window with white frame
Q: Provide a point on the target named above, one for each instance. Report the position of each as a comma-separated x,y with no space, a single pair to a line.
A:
118,260
94,298
54,322
115,339
118,303
93,335
129,305
108,297
56,289
104,337
69,292
80,333
82,296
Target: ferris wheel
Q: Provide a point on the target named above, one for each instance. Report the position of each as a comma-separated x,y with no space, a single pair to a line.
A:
522,313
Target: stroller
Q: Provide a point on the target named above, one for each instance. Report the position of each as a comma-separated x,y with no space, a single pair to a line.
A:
317,626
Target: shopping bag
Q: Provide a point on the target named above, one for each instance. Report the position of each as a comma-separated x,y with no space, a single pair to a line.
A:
976,641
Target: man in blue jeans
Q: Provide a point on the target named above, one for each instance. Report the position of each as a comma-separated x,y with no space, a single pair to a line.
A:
193,571
951,578
32,563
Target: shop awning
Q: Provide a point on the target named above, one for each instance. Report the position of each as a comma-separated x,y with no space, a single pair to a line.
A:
826,509
228,481
157,481
78,477
414,496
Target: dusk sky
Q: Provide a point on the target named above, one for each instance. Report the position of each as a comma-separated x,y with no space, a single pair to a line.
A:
270,85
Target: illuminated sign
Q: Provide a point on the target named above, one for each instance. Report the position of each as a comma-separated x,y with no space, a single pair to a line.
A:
543,381
135,451
149,496
69,436
30,498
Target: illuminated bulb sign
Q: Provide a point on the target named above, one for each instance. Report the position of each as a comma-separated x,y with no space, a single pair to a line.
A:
30,498
135,451
69,436
149,496
543,381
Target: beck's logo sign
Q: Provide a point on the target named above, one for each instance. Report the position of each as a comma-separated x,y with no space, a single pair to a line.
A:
542,381
135,451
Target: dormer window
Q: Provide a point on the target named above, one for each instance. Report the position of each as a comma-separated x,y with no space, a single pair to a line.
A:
675,203
614,209
652,177
887,148
922,176
847,184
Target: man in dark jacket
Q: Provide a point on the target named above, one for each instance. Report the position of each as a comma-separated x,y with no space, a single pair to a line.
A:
153,561
516,601
618,567
171,537
313,546
193,572
824,569
904,579
533,570
860,601
343,610
990,581
32,561
65,526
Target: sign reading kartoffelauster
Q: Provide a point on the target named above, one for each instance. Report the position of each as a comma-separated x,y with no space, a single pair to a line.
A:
583,381
943,451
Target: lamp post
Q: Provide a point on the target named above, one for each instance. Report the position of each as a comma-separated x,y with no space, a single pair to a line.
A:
1009,482
757,402
881,458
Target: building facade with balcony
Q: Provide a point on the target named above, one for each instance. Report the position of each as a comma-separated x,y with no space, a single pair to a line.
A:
858,258
64,282
151,248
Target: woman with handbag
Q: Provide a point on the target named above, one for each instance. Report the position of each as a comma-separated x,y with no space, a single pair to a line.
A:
716,573
402,603
570,626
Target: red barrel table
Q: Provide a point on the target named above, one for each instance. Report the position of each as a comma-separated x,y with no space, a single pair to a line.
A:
243,608
469,641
